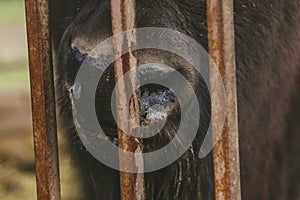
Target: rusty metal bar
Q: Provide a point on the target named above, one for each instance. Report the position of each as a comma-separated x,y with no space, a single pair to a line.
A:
43,99
123,18
221,49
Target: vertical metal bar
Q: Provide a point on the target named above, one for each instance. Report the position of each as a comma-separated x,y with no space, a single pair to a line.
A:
43,99
221,50
123,19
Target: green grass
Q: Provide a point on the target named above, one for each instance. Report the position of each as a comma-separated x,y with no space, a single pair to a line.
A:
14,77
12,12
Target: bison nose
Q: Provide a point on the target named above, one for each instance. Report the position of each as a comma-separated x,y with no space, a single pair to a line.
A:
157,101
78,55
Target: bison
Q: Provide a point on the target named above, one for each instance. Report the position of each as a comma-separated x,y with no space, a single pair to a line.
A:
267,45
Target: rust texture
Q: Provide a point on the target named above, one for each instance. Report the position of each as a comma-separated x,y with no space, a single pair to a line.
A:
222,55
43,99
123,19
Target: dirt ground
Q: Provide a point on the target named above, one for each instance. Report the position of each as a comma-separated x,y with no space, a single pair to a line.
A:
17,169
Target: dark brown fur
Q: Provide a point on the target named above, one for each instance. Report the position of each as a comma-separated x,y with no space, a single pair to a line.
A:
268,69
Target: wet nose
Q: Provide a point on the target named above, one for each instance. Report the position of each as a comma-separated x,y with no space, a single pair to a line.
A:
155,102
156,99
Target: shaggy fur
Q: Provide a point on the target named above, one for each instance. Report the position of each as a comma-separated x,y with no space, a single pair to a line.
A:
268,69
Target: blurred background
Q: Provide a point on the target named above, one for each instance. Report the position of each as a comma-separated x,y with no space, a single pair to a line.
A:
17,170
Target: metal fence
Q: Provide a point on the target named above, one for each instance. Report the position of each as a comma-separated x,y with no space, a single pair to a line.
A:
221,50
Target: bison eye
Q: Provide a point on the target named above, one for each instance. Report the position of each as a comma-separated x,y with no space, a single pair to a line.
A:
78,6
78,55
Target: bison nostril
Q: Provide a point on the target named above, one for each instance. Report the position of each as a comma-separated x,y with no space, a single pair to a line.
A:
155,101
79,56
